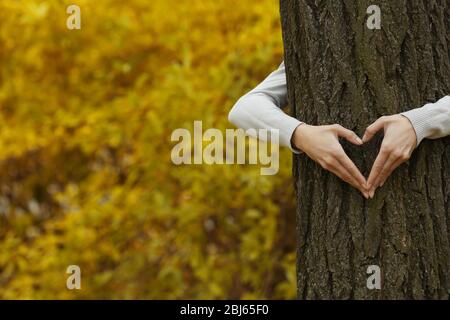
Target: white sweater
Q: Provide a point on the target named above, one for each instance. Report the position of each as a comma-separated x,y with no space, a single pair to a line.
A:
261,109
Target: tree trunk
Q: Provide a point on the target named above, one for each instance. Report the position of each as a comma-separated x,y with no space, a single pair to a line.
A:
340,71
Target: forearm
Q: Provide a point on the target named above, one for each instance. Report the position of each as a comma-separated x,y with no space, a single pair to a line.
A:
259,111
432,121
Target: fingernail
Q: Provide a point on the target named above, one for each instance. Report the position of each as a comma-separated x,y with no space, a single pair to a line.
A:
360,141
372,194
381,184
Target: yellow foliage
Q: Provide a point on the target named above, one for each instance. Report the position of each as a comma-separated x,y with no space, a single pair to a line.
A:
85,172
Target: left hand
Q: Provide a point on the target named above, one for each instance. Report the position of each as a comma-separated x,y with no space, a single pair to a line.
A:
398,144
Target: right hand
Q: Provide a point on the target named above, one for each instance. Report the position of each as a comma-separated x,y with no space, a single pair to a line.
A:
321,143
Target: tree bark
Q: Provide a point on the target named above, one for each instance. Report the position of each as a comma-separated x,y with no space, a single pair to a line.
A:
340,71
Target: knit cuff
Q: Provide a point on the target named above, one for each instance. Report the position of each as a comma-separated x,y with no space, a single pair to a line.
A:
287,131
419,119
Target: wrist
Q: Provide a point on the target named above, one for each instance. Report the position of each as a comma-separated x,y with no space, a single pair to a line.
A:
298,136
409,126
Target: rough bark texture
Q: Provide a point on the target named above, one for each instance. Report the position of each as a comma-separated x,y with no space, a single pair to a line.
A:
339,71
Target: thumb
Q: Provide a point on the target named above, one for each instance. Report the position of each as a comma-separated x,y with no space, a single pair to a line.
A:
373,129
349,135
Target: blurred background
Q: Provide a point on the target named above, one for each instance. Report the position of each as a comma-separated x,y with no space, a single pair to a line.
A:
85,171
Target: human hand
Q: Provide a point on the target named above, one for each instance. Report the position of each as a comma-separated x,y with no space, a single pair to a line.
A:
398,144
321,143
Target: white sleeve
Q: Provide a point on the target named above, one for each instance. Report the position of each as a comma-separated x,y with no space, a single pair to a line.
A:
261,108
432,121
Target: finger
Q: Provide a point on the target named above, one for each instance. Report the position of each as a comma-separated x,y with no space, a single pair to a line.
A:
377,167
349,135
384,173
351,168
373,129
394,166
339,170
